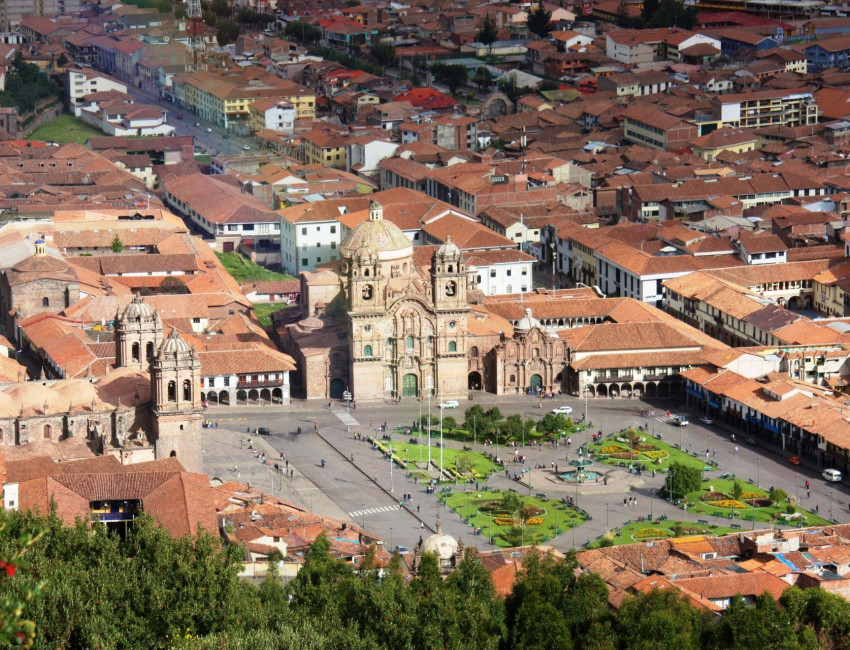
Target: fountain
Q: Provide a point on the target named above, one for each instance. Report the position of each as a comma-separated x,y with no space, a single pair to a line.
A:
580,475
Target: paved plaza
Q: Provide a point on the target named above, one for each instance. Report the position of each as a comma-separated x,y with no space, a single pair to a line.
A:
358,483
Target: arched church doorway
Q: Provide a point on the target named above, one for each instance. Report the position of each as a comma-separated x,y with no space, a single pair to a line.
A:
410,386
337,388
536,382
474,382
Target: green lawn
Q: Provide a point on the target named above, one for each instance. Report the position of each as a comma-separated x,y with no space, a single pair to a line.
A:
556,517
766,514
264,311
244,270
645,456
464,465
203,158
646,531
64,129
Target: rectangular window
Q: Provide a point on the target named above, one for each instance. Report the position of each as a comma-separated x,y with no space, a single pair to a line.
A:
492,273
508,273
333,245
303,231
227,381
333,230
304,261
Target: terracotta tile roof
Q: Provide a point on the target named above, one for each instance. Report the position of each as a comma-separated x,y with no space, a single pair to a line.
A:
726,586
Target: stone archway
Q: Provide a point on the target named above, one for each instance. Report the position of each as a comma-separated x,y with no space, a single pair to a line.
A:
535,382
639,389
224,398
625,389
602,390
277,395
496,104
266,396
591,390
410,385
253,396
651,389
241,397
474,381
212,397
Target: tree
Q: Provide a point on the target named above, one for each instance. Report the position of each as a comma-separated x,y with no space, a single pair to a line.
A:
659,619
449,423
117,245
763,627
737,489
682,479
672,13
474,420
303,32
538,20
488,33
451,75
227,31
482,77
778,495
383,51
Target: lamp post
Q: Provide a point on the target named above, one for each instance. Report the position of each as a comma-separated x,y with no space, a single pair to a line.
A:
363,511
347,397
391,539
758,471
796,487
586,416
553,248
607,527
391,466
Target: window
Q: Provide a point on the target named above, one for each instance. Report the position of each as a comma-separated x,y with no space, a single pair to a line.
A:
452,346
227,381
303,231
367,328
333,245
47,431
333,230
492,273
305,261
473,351
367,351
172,392
366,294
187,391
408,342
508,273
45,302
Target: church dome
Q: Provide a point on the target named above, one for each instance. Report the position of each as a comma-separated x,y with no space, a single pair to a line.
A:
383,237
442,545
43,264
138,309
527,322
174,344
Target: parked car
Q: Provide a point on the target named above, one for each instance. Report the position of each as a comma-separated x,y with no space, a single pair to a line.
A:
245,147
264,431
794,460
832,475
562,410
706,420
449,404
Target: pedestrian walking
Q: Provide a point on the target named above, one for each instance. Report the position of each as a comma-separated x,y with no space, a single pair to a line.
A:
817,508
417,508
421,525
808,494
625,503
736,449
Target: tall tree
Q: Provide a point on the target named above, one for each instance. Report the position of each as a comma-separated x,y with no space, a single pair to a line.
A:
488,33
539,19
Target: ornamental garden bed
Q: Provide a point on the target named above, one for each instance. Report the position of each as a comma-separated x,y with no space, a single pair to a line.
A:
650,453
715,498
544,518
647,531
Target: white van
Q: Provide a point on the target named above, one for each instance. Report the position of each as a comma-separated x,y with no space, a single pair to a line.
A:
832,475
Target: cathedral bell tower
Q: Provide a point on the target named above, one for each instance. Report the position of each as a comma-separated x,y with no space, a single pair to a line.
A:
138,334
177,405
449,277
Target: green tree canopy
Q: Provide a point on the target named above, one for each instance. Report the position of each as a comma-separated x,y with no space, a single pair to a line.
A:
682,479
488,32
539,19
449,74
383,51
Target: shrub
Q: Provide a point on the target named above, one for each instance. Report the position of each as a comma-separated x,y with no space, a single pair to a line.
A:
778,495
790,508
651,532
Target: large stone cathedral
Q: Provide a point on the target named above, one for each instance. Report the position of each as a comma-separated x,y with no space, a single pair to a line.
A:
387,323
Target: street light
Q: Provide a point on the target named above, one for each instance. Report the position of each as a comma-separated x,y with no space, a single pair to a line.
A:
363,512
391,466
758,471
586,416
347,397
391,539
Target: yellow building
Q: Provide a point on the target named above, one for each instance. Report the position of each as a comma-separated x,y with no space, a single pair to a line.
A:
762,108
711,145
320,147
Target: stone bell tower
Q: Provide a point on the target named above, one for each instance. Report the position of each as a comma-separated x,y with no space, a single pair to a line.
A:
177,404
138,334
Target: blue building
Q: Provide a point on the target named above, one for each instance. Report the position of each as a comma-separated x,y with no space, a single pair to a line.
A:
828,53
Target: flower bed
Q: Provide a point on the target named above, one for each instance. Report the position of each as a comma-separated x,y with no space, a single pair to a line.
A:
646,533
728,503
713,496
752,495
504,521
611,449
626,455
646,448
655,455
535,521
762,502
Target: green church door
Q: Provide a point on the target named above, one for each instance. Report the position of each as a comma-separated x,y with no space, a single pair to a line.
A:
410,386
536,381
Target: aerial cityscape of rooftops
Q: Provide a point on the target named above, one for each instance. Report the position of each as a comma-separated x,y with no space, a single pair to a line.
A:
424,323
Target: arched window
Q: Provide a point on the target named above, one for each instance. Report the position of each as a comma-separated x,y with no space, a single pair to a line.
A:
367,351
512,380
149,351
451,288
172,392
45,302
48,430
535,352
473,351
367,292
478,279
452,346
134,351
366,272
408,342
451,269
187,390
